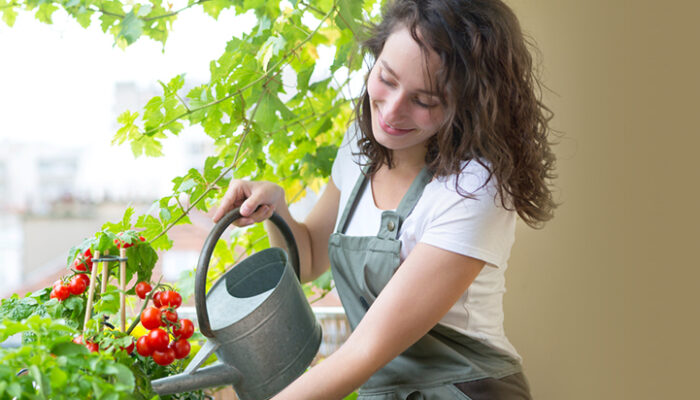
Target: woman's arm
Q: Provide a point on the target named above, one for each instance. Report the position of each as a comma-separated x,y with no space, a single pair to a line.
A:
420,293
257,202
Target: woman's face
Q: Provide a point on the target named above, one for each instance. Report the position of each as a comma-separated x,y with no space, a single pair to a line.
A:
406,111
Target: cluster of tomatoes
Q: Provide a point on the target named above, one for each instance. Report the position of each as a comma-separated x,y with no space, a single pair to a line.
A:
162,321
120,243
77,284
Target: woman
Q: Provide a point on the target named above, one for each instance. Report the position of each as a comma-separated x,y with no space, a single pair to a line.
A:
418,218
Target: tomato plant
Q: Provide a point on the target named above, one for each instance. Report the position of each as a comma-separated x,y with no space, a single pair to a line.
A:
52,321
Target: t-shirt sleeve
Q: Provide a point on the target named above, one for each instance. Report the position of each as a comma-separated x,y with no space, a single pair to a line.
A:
344,159
477,227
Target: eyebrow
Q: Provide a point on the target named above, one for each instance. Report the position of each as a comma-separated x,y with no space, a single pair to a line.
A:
392,72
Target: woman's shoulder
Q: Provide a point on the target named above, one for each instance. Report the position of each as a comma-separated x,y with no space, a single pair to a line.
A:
474,180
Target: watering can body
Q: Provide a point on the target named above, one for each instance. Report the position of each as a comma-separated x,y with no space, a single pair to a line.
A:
257,321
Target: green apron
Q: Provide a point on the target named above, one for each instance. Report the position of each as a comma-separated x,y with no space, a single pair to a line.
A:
430,368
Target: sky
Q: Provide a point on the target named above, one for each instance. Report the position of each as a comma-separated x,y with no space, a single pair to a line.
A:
57,89
56,81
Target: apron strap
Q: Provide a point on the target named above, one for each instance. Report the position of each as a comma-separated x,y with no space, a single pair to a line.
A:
391,220
415,191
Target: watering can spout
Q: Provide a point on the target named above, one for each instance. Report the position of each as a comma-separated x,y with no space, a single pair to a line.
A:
214,375
195,378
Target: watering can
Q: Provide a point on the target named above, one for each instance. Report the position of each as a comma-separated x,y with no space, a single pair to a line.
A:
256,319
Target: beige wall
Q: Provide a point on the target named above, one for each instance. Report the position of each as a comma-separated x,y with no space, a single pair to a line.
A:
602,303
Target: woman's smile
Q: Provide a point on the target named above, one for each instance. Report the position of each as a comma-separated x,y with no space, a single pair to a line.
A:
388,128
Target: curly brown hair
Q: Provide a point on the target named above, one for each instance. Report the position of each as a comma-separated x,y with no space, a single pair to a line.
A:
494,115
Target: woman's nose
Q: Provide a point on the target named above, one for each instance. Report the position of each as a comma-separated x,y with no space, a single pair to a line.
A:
393,107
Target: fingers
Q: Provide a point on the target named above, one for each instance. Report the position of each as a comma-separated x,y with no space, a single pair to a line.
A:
234,197
262,213
255,200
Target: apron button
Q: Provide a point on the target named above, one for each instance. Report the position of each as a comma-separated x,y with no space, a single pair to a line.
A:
390,226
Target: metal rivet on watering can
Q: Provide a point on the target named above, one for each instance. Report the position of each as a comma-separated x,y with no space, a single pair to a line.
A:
257,321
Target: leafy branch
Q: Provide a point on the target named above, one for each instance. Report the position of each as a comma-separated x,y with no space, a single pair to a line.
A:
266,75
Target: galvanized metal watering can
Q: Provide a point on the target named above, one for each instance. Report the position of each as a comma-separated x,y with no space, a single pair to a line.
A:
257,321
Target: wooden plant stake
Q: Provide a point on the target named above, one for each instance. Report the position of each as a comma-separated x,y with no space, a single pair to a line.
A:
122,287
91,292
105,278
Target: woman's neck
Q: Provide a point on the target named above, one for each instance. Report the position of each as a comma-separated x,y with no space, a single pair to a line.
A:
389,185
408,161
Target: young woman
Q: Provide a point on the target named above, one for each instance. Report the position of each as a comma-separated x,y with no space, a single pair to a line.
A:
418,219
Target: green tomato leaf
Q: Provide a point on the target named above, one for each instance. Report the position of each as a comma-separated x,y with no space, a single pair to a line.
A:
9,15
84,17
45,12
123,375
269,49
130,28
68,349
57,377
214,7
129,129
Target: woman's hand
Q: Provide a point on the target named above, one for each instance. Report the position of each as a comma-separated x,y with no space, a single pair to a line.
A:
257,201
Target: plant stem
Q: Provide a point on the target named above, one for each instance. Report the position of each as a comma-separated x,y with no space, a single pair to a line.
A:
143,307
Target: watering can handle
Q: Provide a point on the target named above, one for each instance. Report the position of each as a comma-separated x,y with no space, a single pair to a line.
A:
200,280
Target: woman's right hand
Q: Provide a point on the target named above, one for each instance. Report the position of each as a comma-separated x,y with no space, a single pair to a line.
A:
257,201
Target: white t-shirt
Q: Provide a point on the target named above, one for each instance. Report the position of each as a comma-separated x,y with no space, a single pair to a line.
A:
480,228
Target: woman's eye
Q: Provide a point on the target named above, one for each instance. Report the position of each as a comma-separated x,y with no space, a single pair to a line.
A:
384,81
423,104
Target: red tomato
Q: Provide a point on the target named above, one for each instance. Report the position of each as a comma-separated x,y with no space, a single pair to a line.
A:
171,298
150,318
142,346
141,238
77,284
87,253
129,349
158,339
84,278
92,346
164,357
184,329
168,314
79,265
156,299
60,292
181,348
142,289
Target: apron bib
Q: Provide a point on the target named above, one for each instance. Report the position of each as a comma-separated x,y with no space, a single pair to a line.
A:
430,368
